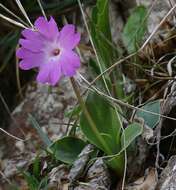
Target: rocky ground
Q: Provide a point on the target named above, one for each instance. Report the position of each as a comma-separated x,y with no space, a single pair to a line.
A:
49,105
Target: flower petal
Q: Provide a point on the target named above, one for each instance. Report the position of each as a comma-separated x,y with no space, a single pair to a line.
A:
29,62
68,39
47,28
70,62
49,73
32,35
33,46
26,65
53,27
25,53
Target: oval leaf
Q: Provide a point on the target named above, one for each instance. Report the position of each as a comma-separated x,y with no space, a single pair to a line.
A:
135,29
67,149
130,133
150,119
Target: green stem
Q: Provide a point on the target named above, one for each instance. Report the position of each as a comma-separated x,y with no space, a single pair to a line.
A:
88,117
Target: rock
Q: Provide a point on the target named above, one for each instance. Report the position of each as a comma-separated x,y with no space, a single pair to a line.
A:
147,182
159,10
58,177
78,168
119,11
97,177
10,167
48,107
167,179
116,21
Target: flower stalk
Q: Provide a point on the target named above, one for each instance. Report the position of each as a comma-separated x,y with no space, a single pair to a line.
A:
87,115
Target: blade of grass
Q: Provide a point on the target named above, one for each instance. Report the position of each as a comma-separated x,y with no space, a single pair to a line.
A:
13,14
24,12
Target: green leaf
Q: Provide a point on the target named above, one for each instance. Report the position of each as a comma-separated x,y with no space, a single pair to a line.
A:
135,29
130,133
107,51
94,66
107,123
117,163
108,126
36,167
33,183
43,183
150,119
103,18
40,132
67,149
101,33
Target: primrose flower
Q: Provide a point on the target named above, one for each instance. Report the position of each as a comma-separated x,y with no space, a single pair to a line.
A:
50,50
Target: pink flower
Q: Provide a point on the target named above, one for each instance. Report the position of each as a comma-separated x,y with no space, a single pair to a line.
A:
50,50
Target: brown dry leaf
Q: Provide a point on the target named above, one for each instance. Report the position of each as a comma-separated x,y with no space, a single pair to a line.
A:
147,182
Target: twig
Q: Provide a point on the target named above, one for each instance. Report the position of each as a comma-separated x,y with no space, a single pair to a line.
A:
12,136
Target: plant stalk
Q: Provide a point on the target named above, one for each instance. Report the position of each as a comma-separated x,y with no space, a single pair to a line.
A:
88,117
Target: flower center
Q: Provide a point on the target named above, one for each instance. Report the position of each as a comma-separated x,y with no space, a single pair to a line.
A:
56,52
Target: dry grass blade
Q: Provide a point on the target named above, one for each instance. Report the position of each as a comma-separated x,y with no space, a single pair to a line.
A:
42,10
119,102
5,178
12,21
10,135
11,116
169,66
13,14
24,12
18,78
157,27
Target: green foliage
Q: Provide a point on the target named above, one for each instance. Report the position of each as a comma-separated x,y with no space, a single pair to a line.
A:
107,123
108,133
33,177
95,69
101,33
67,149
135,29
106,50
130,133
99,121
108,126
150,119
36,167
34,183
